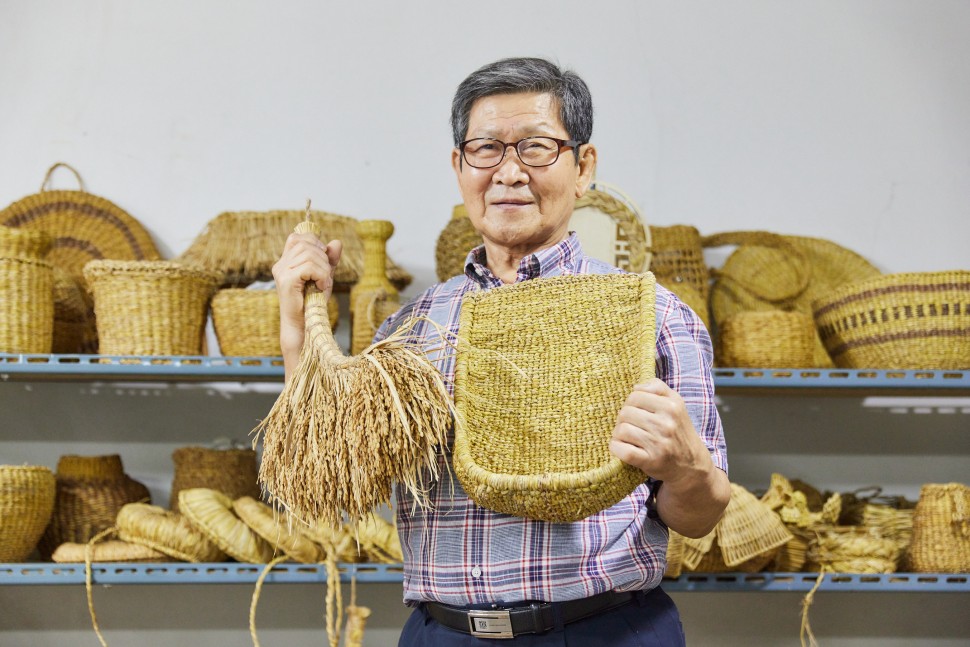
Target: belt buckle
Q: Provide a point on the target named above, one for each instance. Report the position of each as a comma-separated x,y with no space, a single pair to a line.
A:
490,624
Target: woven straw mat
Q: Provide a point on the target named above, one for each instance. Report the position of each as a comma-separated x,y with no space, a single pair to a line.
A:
538,384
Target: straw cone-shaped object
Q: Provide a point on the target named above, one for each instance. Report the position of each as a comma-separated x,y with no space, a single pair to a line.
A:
247,322
211,513
767,339
26,503
90,492
345,428
112,550
538,383
262,520
26,292
941,529
713,561
166,532
373,298
230,471
244,245
917,320
748,528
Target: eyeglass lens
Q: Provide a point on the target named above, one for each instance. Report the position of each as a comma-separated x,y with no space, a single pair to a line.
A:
533,151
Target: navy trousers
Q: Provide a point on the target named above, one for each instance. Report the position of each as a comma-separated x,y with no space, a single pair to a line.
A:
650,619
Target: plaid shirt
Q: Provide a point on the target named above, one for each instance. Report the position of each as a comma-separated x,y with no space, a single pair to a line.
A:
460,553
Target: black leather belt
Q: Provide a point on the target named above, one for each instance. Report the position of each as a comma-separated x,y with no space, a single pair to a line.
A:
536,618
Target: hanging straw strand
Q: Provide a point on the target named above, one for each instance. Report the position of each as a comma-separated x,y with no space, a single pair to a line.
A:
259,588
88,578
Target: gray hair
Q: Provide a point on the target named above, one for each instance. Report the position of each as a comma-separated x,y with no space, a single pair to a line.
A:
515,75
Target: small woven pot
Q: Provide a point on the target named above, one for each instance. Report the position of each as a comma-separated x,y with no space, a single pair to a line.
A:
918,320
166,532
230,471
26,292
941,530
26,504
150,307
90,492
767,339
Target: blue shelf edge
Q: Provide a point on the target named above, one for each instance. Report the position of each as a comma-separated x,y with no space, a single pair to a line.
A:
117,573
217,368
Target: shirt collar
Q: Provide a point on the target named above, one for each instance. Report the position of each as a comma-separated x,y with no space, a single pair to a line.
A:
562,258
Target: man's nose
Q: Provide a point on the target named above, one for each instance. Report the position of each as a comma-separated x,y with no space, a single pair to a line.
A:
511,170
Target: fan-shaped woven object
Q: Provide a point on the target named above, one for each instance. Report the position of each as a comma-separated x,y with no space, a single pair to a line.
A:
917,320
211,513
538,385
244,245
261,519
764,273
748,528
166,532
26,502
112,550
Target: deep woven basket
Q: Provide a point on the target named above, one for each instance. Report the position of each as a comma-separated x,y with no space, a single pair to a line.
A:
247,322
26,504
538,385
767,339
90,492
941,529
150,307
230,471
918,320
244,245
26,292
74,327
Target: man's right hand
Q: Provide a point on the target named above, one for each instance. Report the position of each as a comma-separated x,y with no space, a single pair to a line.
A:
305,259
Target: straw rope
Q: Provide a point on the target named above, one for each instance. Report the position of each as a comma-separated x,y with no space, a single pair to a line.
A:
88,579
356,618
334,603
256,593
805,631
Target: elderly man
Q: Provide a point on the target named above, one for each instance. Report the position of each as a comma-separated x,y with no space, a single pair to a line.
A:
522,156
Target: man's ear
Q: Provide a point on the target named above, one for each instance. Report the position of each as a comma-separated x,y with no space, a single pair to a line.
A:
456,162
587,168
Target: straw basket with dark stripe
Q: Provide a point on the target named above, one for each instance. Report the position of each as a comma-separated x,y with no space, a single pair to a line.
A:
918,320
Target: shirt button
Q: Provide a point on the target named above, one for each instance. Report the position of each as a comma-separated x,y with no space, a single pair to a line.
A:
476,572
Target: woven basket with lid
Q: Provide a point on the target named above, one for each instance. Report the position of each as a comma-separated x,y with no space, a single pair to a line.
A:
26,504
538,385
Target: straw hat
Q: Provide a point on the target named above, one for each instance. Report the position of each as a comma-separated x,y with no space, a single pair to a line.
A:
166,532
211,513
264,522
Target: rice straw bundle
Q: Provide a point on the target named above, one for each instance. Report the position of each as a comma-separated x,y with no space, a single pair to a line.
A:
338,539
167,532
356,619
262,520
379,540
345,428
210,512
113,550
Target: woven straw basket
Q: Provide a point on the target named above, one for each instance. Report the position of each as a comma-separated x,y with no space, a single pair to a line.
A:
538,385
150,307
678,259
26,503
26,292
767,339
247,322
941,529
90,492
918,320
230,471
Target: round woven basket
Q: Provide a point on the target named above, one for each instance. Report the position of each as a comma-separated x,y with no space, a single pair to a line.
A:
230,471
90,491
113,550
767,339
166,532
244,245
918,320
26,292
26,504
150,307
941,529
247,322
538,383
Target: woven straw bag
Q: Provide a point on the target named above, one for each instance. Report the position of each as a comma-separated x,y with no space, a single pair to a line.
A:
244,245
90,492
230,471
767,339
166,532
247,322
150,307
538,385
26,504
918,320
26,292
941,529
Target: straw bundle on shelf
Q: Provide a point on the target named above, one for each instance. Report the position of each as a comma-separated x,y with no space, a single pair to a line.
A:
166,532
852,549
112,550
265,522
211,513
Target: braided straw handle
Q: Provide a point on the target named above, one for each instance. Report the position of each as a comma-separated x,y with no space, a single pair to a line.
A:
50,172
800,264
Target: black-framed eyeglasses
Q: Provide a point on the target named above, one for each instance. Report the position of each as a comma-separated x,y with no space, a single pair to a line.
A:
485,152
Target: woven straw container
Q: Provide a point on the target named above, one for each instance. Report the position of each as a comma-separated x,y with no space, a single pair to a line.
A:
918,320
247,322
26,503
90,492
767,339
941,529
26,292
538,385
150,307
230,471
374,297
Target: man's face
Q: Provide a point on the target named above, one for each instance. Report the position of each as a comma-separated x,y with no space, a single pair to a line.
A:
516,208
